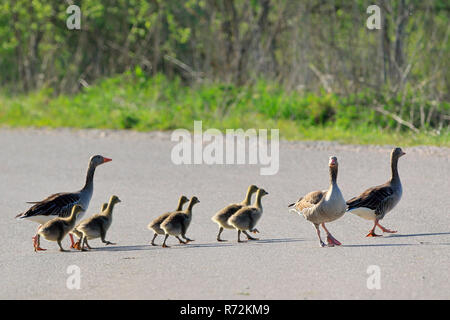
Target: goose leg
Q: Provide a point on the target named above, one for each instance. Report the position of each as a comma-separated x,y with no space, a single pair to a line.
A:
249,237
385,229
321,243
372,232
37,241
153,240
72,242
218,236
330,238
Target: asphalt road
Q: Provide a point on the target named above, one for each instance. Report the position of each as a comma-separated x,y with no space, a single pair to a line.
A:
287,263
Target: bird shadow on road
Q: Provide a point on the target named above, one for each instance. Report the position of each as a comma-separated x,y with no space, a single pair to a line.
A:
379,245
234,243
123,248
279,240
416,235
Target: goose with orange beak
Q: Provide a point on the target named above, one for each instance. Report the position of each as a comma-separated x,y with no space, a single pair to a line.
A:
60,204
375,202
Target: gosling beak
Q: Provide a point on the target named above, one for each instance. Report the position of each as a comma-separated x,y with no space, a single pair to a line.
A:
105,160
403,153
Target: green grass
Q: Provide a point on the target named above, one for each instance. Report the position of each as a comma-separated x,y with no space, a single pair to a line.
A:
133,101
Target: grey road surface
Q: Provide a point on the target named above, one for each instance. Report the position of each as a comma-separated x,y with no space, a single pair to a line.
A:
287,262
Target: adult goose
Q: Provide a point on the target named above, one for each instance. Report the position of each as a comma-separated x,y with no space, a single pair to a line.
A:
320,207
221,217
375,202
247,217
155,225
60,204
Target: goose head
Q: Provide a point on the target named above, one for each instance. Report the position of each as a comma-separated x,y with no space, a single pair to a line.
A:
97,160
333,162
397,153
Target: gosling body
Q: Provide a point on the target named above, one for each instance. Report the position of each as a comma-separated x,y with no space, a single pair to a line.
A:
57,228
155,225
221,217
245,219
177,223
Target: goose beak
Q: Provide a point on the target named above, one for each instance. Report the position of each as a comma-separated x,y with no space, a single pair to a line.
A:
105,160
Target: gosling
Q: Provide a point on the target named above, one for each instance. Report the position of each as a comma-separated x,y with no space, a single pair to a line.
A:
79,234
178,222
247,217
155,225
57,228
221,217
97,225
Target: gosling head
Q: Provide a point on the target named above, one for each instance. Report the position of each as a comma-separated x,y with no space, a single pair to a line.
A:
262,192
195,200
114,199
77,209
397,153
184,199
253,188
98,160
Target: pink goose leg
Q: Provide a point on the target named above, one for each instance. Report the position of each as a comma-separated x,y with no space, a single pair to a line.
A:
331,240
385,229
372,232
36,242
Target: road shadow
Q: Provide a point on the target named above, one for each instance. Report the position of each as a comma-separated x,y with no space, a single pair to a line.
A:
379,245
123,248
416,235
279,240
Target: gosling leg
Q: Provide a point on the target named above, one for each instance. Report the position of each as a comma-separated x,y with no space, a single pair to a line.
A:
239,236
60,246
249,237
218,236
103,234
153,240
181,241
164,243
186,238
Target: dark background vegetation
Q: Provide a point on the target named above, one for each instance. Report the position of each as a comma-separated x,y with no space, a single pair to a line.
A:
309,62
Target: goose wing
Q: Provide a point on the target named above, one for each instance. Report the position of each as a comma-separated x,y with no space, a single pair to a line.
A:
372,198
59,204
310,200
